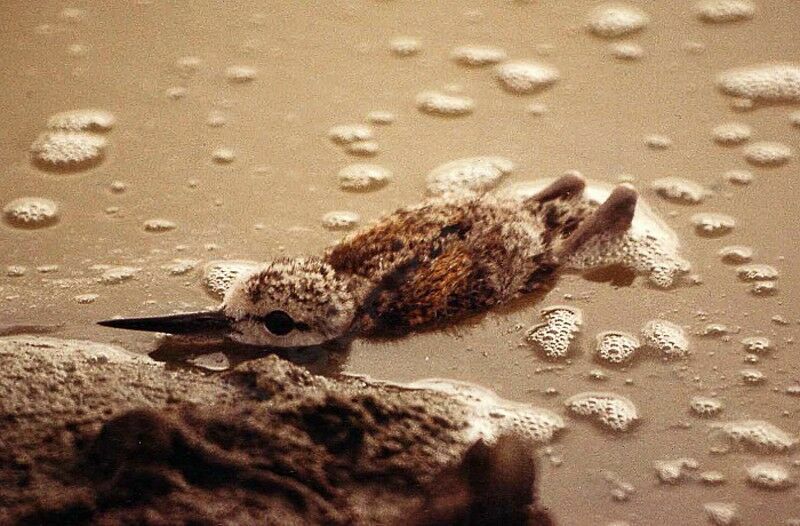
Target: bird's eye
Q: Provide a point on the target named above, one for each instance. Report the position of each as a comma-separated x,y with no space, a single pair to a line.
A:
278,322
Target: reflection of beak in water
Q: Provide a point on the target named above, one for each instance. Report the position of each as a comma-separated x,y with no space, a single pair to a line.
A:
216,354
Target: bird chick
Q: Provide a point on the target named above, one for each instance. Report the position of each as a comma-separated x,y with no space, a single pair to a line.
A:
420,266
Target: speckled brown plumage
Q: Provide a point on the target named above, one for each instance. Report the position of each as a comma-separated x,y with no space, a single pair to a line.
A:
448,258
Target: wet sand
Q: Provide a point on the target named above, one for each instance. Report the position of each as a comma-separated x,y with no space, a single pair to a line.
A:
331,64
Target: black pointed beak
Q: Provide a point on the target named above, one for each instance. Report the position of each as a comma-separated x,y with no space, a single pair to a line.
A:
205,322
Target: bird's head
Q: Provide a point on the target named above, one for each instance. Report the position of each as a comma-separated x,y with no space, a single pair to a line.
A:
286,303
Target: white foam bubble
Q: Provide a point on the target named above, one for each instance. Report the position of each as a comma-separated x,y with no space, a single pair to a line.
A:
731,133
159,225
657,142
740,177
616,20
616,347
405,46
223,155
116,275
363,148
610,410
674,471
774,83
725,11
757,344
629,51
756,272
666,337
767,153
240,74
31,212
473,174
349,133
526,76
768,475
444,105
381,117
752,376
705,406
556,334
475,56
362,177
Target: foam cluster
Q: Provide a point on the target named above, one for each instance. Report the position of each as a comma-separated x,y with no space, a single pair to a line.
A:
240,74
556,334
475,56
768,475
493,416
725,11
31,212
773,83
756,272
361,177
616,20
470,175
731,133
159,225
219,275
117,275
757,344
444,105
736,254
712,224
756,434
616,347
405,46
349,133
705,406
525,77
666,337
679,190
610,410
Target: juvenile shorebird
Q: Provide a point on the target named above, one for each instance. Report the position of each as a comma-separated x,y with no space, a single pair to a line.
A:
421,266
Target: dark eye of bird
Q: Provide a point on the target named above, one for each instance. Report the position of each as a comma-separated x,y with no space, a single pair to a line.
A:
278,322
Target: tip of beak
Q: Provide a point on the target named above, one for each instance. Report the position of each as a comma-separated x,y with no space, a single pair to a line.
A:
190,323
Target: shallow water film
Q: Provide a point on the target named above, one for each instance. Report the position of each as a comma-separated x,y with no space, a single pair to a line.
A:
153,152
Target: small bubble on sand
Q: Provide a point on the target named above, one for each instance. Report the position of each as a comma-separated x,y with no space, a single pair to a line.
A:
223,155
181,267
721,513
628,51
444,105
666,337
219,275
475,56
679,190
610,410
775,83
739,177
363,148
362,177
712,224
556,334
657,142
736,254
705,406
616,20
31,212
159,225
524,77
752,376
116,275
380,117
731,133
405,46
82,120
240,74
67,151
473,174
725,11
768,475
349,133
616,347
340,220
767,153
